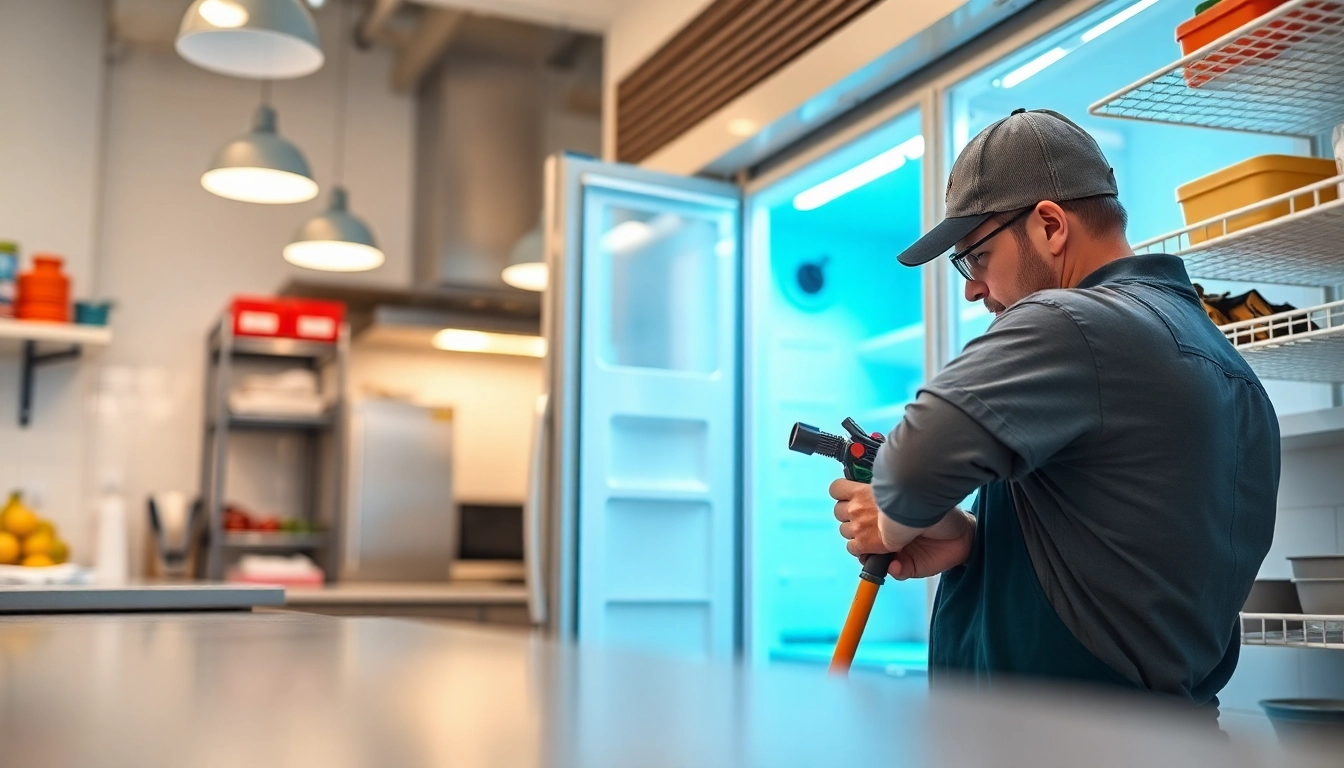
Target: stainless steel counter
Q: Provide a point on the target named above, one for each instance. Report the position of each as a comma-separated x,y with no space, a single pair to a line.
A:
145,596
408,593
481,602
291,689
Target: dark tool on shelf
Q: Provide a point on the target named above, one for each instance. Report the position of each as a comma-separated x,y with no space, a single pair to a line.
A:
856,455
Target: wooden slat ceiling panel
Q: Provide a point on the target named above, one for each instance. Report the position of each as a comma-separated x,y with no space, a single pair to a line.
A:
730,47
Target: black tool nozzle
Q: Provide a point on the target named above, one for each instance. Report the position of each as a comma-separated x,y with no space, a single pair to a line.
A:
807,439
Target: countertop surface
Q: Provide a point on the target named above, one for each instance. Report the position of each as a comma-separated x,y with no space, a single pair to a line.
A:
137,596
409,593
263,689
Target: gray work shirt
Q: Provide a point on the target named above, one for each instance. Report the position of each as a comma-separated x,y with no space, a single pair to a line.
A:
1143,454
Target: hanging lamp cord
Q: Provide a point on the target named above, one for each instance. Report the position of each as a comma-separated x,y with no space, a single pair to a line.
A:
342,95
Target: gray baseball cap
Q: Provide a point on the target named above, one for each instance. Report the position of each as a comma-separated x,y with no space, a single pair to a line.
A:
1026,157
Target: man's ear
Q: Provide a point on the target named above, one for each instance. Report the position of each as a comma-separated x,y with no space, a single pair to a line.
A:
1056,225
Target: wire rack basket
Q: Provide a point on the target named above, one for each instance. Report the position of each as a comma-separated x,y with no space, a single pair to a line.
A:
1300,246
1300,345
1292,630
1282,73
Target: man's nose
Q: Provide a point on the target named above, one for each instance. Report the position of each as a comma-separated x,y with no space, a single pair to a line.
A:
976,291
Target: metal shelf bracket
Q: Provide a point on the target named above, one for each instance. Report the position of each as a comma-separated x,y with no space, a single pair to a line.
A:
31,362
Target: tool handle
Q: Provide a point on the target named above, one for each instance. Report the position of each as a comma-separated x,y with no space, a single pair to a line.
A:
875,568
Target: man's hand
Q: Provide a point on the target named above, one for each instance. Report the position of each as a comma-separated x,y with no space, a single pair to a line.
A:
921,552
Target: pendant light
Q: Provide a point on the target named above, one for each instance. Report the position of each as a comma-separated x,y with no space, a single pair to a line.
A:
261,39
335,240
527,263
261,167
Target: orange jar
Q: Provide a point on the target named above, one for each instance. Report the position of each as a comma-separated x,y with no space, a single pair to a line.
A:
44,291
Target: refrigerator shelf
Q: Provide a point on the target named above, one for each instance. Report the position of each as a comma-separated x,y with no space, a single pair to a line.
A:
1282,73
1299,248
902,347
1301,345
1292,630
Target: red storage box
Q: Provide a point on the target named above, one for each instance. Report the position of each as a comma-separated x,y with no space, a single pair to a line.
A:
1263,44
314,320
257,316
307,319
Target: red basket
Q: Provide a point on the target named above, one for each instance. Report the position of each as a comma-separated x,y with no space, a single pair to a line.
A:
307,319
315,320
254,316
1262,44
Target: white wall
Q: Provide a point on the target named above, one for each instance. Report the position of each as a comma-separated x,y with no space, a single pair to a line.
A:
50,85
492,397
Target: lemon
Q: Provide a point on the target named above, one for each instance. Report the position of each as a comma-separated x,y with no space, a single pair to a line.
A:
45,526
18,519
38,543
9,548
37,561
60,551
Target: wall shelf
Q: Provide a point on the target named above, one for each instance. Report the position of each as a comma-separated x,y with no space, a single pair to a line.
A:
40,344
1312,429
901,347
1292,630
1282,73
1301,345
281,421
275,347
273,540
1300,248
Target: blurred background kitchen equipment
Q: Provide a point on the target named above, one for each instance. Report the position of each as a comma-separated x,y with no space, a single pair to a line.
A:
9,270
1315,726
44,291
173,518
400,524
91,312
489,543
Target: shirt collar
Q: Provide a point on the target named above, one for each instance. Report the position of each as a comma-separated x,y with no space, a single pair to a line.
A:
1160,268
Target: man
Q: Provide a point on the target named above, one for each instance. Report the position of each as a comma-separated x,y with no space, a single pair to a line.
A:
1126,457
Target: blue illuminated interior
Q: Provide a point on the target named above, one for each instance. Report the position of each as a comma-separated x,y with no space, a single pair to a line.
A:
838,331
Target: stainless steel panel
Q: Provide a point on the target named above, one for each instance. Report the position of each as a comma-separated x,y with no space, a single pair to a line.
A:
401,522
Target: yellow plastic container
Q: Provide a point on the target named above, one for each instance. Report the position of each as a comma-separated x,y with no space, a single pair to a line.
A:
1248,182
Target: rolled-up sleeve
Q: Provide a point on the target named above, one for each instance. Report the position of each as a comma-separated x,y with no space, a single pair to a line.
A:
933,460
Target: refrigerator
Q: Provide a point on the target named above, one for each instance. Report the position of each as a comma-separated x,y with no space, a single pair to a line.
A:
689,325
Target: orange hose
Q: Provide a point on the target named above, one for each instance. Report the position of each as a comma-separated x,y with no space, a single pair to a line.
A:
848,644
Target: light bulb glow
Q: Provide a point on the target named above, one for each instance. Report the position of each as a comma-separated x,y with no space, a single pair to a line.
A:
741,126
627,236
863,173
259,185
333,255
462,340
1117,20
1033,67
224,14
529,276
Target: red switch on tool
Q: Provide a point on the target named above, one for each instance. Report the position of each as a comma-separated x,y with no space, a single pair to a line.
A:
856,450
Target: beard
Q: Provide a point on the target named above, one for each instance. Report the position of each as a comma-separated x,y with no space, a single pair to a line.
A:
1034,275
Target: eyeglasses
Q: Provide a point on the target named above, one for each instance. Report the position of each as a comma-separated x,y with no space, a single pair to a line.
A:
959,258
